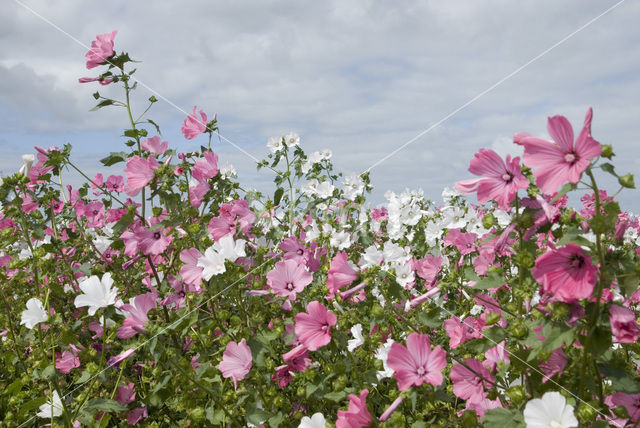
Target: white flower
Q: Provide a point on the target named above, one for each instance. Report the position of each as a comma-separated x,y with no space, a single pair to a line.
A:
227,170
357,340
310,187
325,189
275,144
448,194
230,249
52,407
453,218
315,157
372,256
340,240
353,186
550,411
34,314
315,421
404,274
382,354
212,263
101,243
97,293
292,139
26,166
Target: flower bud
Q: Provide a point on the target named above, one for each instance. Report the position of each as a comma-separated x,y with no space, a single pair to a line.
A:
627,181
587,412
516,394
607,151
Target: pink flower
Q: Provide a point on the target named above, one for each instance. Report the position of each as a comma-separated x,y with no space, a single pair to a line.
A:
197,192
358,415
624,326
117,359
288,278
230,214
499,181
417,363
560,160
340,273
190,272
125,394
68,360
496,354
139,172
428,269
192,126
101,80
631,402
294,249
115,183
101,49
155,145
138,309
554,365
460,332
206,168
153,242
566,273
313,327
136,415
236,361
468,382
464,242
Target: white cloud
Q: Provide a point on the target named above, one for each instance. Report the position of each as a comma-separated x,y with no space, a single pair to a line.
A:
358,77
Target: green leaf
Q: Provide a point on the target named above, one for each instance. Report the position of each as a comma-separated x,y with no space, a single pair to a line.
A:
276,420
85,376
502,418
574,236
600,424
335,396
277,196
114,158
155,125
255,415
14,387
564,190
33,404
621,381
491,281
104,405
607,167
101,104
600,342
311,388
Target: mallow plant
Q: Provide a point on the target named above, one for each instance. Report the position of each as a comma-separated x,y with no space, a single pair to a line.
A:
169,294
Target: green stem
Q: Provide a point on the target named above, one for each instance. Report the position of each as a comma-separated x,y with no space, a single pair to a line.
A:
133,126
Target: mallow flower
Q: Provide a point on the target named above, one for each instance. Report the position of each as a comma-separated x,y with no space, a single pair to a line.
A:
416,363
52,407
550,411
562,159
97,293
236,361
315,421
34,314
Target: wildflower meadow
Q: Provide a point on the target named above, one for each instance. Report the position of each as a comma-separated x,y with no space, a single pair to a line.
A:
170,295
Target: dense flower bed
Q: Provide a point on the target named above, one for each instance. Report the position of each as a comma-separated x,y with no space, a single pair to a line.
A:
169,295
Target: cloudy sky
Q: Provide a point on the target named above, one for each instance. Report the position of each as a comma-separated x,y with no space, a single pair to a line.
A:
359,77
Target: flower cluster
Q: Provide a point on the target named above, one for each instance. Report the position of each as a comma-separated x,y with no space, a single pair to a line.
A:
307,306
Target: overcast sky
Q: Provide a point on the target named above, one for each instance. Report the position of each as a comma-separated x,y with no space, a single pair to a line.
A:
358,77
